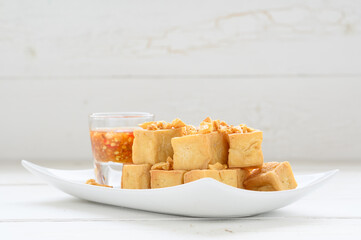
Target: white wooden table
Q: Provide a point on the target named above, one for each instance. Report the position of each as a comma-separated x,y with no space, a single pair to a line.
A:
30,209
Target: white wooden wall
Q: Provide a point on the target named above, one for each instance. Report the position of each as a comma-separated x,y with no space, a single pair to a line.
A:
291,68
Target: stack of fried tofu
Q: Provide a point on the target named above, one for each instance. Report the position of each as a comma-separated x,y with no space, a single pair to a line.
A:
171,154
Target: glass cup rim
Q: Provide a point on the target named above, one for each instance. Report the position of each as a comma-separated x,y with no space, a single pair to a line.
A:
127,115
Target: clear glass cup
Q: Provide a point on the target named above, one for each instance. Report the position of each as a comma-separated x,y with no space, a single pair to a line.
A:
111,136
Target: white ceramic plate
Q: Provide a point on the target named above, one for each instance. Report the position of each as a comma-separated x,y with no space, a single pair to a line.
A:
203,198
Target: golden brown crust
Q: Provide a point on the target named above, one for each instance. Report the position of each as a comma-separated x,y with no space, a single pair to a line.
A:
232,177
153,146
245,149
135,176
266,167
197,151
194,175
162,179
273,176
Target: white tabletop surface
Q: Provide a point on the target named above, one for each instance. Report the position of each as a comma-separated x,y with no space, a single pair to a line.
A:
30,209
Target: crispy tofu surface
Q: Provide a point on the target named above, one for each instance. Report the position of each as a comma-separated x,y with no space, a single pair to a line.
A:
273,176
135,176
166,178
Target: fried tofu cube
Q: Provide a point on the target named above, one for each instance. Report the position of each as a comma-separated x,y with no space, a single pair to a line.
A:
273,176
194,175
153,146
197,151
242,175
135,176
166,178
245,149
232,177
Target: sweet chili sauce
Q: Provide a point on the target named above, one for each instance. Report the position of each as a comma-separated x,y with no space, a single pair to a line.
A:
112,145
